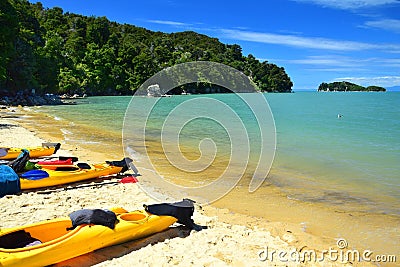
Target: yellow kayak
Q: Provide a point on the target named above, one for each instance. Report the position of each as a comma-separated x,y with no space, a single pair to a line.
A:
57,244
58,175
46,149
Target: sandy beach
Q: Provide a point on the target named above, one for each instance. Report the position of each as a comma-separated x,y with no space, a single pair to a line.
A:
277,121
231,239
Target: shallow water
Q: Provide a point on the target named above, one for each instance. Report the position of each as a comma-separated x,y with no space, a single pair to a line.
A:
333,177
352,160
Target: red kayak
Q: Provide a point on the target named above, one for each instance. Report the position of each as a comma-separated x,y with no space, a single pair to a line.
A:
56,162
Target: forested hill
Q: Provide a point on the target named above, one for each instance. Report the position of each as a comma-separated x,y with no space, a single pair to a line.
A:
57,52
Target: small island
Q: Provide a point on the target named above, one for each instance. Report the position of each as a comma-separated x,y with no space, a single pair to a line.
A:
348,87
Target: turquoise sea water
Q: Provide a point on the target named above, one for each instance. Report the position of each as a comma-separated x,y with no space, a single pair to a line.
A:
353,159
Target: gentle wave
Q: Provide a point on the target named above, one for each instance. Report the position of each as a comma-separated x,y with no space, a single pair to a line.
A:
66,132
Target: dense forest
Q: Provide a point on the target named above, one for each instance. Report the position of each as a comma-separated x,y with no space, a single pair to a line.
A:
347,86
59,52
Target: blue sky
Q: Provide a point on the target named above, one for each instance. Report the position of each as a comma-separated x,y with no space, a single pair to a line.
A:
314,40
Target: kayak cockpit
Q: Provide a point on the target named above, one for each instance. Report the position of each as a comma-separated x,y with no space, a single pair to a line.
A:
36,236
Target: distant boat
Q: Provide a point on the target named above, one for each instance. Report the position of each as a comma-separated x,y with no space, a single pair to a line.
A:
75,96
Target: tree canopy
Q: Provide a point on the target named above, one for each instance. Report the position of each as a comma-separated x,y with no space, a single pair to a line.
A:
60,52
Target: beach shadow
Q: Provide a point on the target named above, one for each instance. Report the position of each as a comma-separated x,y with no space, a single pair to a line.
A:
8,116
117,251
6,126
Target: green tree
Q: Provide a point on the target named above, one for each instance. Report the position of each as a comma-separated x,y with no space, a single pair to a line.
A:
8,35
97,30
62,52
68,82
22,64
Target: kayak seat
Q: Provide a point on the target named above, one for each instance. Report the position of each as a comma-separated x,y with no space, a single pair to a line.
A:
83,165
34,175
18,239
93,216
3,151
183,211
66,168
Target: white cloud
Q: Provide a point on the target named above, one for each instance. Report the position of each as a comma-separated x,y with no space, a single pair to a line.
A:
345,62
306,42
384,81
392,25
336,70
327,61
391,62
350,4
169,22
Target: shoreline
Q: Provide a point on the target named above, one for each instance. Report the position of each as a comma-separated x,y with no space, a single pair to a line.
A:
295,234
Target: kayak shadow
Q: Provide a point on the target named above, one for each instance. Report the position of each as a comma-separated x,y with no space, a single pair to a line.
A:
120,250
6,126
